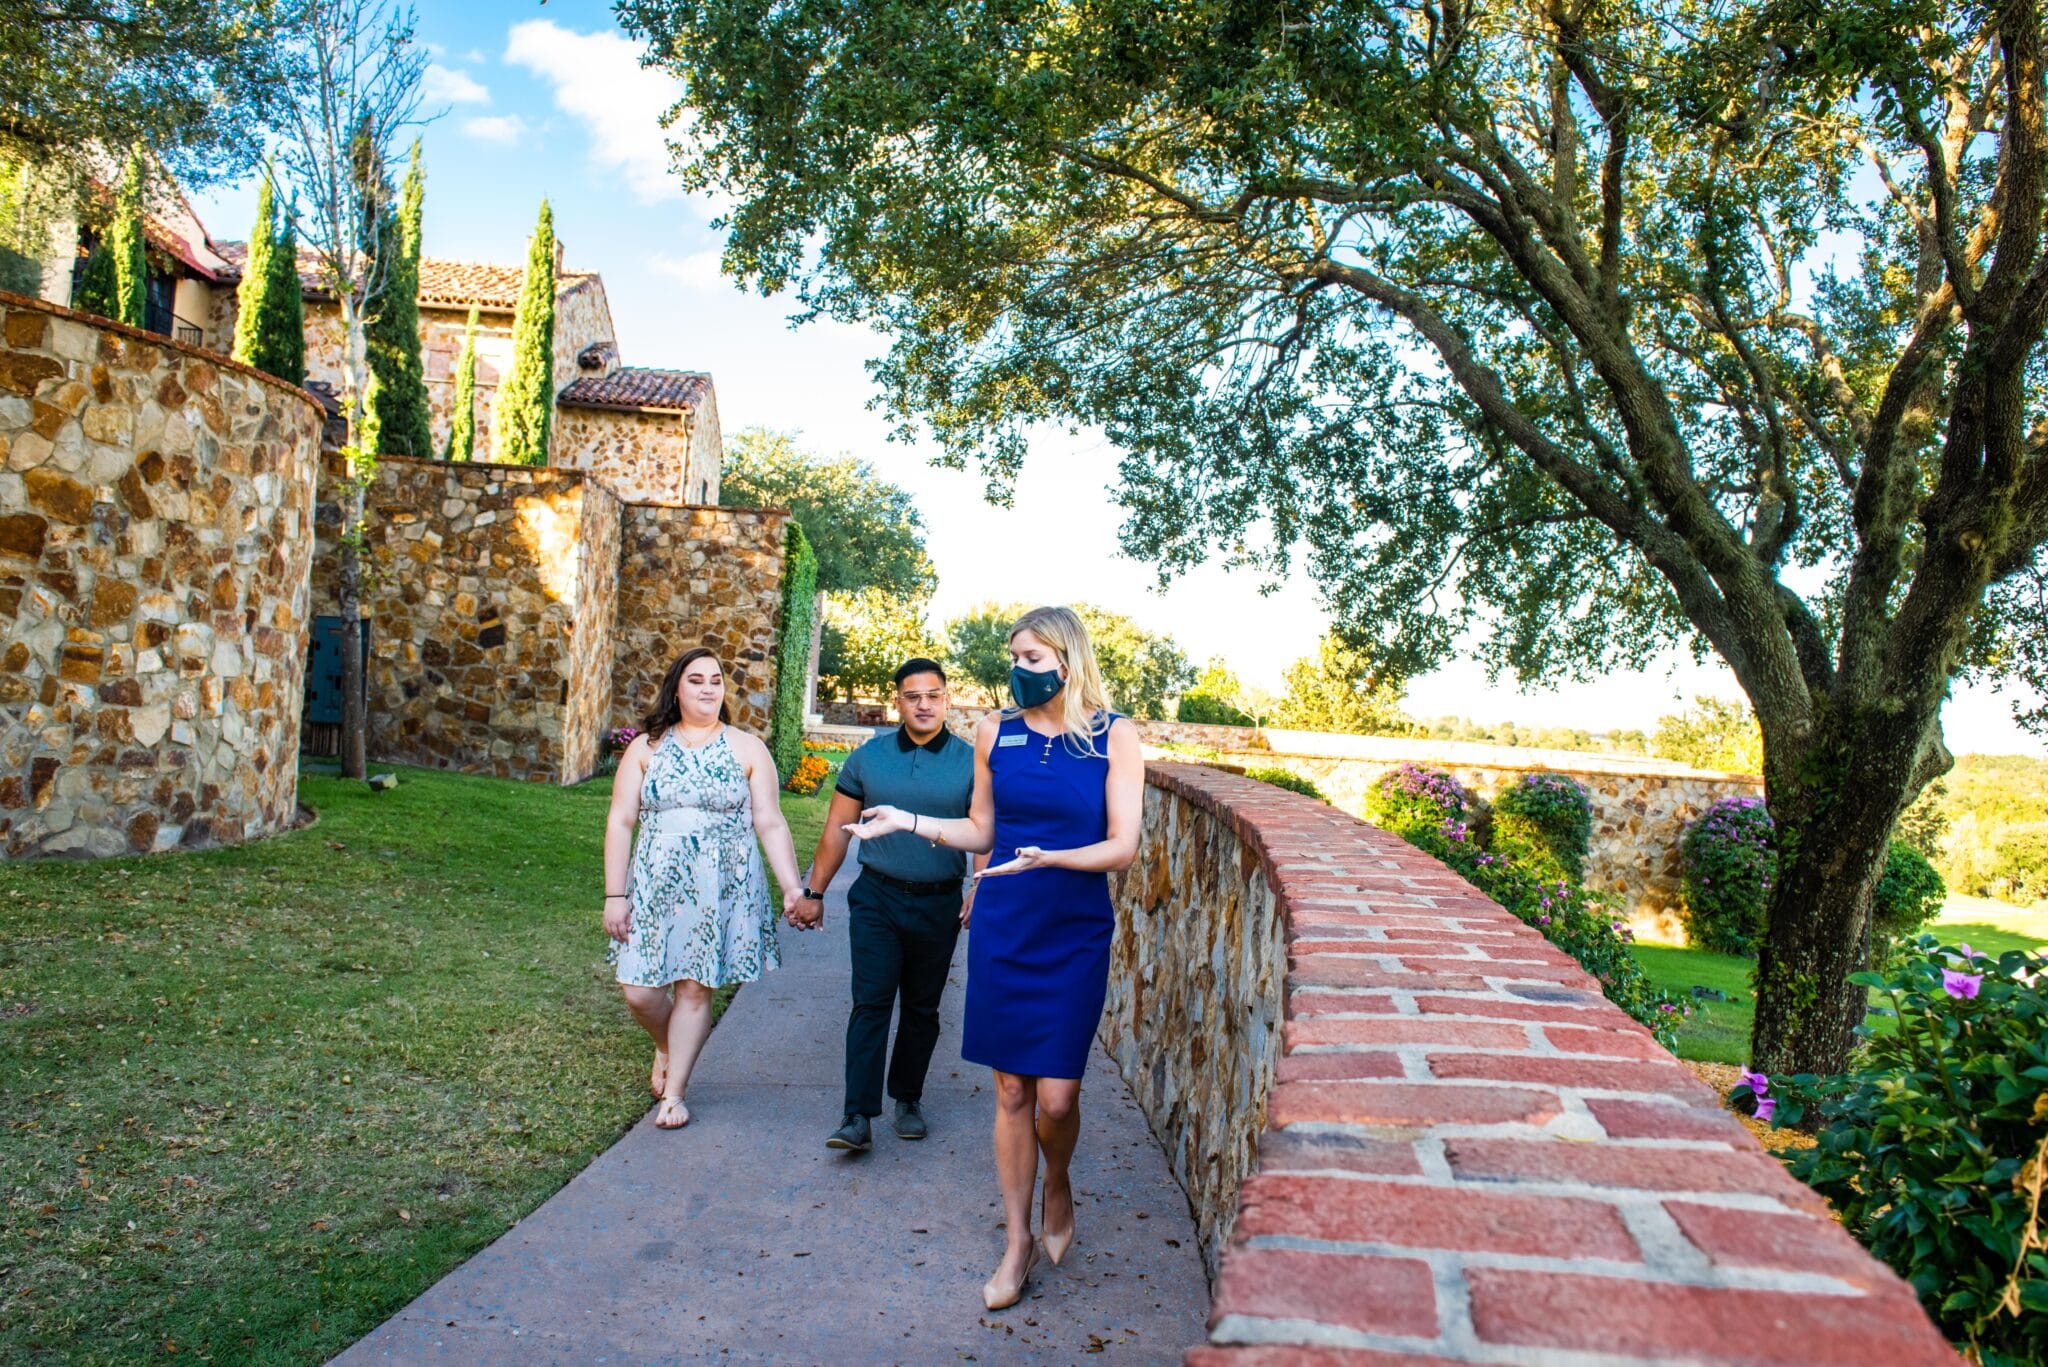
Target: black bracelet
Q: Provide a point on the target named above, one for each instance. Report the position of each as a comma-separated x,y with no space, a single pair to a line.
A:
610,895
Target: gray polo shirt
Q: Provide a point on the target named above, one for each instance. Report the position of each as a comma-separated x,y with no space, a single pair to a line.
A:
933,779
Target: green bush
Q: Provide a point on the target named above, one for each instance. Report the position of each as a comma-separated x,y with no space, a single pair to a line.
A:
1546,815
1934,1146
1209,710
1408,800
2019,864
1909,893
1731,859
793,652
1292,782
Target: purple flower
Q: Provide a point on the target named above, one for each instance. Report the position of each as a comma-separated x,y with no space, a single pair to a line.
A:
1543,920
1758,1083
1969,954
1962,986
1766,1107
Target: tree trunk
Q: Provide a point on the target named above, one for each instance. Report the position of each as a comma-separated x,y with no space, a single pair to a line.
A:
1834,823
355,720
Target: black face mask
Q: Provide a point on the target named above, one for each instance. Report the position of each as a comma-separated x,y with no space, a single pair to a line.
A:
1032,687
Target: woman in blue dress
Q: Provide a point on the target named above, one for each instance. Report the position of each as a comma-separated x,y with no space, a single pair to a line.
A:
1058,800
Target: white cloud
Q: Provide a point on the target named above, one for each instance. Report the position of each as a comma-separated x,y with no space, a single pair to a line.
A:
503,129
475,56
597,78
697,271
446,85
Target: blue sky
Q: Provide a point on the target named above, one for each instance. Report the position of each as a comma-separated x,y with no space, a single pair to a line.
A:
551,100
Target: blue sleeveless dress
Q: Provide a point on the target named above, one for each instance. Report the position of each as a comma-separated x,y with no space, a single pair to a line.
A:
1038,948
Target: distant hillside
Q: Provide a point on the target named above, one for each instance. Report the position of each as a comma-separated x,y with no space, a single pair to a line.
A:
1996,839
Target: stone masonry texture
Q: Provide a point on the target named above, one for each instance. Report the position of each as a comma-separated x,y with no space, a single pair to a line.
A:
487,588
691,576
156,529
1413,1131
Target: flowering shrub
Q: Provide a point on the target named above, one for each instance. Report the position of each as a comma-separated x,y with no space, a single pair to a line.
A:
810,772
1908,893
1409,798
1292,782
1731,859
1545,814
1934,1145
619,737
1583,923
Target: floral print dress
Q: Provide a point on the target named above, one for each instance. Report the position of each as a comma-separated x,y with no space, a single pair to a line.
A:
696,890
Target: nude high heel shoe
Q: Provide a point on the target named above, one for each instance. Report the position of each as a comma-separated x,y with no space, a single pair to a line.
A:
998,1297
1056,1245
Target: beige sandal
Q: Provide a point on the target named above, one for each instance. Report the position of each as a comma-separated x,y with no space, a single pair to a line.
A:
663,1110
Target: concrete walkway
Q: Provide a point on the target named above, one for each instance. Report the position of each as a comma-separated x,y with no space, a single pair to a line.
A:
742,1239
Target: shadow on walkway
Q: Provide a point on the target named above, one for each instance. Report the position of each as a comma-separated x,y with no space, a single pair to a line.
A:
742,1239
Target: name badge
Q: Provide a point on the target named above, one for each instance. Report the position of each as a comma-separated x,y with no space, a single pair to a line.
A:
1003,742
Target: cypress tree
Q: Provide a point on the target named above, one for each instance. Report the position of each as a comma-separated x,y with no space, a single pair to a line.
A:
256,272
526,399
281,348
98,287
462,409
131,265
402,412
270,318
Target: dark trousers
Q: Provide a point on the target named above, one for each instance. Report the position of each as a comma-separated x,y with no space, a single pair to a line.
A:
902,947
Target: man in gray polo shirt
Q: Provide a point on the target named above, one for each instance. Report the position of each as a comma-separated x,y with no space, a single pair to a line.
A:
905,909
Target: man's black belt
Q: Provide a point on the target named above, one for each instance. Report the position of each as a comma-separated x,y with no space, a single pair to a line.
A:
916,889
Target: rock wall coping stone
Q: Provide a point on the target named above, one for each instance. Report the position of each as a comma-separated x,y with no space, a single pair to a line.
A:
1433,1140
156,528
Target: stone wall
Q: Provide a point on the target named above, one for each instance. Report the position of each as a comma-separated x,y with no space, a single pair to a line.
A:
1193,1014
642,457
1641,806
691,576
155,533
1464,1153
490,623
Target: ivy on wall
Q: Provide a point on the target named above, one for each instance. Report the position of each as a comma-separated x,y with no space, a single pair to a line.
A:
793,651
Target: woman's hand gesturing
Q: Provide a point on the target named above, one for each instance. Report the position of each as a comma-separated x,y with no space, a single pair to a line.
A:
880,821
1027,857
618,913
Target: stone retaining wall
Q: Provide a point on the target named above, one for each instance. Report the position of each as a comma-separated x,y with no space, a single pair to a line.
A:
1464,1153
691,576
489,597
156,526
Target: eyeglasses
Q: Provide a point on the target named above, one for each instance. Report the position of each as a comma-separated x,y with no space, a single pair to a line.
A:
936,695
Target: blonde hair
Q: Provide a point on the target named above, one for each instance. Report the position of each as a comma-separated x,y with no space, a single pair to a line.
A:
1084,702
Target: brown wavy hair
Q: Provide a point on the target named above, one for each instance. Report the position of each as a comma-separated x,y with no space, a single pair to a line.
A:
668,707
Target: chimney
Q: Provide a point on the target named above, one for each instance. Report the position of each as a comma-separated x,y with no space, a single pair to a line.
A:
558,258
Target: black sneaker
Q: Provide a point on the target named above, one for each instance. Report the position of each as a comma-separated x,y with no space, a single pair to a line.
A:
852,1134
910,1121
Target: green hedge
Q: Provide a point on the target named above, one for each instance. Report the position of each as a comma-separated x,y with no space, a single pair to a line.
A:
793,653
1291,781
1545,815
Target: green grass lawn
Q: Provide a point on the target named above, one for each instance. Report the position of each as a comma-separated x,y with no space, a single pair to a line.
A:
1718,1032
257,1099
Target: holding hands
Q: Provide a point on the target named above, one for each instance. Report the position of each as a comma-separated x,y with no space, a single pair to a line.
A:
802,913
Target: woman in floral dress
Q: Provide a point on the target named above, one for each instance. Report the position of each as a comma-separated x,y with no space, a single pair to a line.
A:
687,903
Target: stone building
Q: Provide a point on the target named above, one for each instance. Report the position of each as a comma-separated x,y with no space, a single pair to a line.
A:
650,434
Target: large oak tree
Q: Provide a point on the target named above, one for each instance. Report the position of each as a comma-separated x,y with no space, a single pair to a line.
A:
1586,328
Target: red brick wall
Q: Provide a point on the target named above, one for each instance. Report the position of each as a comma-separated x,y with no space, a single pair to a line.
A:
1468,1155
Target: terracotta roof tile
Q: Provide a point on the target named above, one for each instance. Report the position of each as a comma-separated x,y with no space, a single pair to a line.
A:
448,284
638,388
